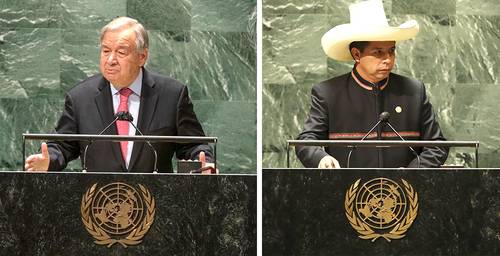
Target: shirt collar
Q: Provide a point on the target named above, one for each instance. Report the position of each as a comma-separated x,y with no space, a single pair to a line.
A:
366,84
135,86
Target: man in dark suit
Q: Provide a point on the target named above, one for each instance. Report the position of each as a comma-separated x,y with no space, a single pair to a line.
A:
347,106
159,106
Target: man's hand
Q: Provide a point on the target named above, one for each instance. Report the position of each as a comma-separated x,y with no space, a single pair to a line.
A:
328,162
210,166
38,162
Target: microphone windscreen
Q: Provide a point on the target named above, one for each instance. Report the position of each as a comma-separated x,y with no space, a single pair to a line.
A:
124,116
384,116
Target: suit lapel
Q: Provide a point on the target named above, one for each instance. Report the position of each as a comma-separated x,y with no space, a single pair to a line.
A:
147,108
104,103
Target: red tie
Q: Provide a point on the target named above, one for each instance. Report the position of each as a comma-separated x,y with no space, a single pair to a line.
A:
123,125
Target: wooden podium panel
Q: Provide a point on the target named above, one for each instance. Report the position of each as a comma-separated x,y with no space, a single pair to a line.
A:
446,212
52,213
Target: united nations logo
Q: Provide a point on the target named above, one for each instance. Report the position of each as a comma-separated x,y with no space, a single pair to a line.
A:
117,213
381,208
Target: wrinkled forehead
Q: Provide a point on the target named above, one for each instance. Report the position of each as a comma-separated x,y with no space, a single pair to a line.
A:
123,37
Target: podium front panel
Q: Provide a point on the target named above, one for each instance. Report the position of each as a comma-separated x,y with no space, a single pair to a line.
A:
381,212
127,214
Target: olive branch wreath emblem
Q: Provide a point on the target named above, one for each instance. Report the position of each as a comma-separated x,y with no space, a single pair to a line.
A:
365,231
102,238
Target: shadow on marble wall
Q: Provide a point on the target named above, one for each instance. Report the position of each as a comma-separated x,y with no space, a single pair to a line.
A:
455,55
46,47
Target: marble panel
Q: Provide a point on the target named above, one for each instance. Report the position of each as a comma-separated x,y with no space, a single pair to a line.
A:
224,16
172,15
168,56
30,14
430,56
29,62
222,66
477,43
79,56
476,118
479,7
18,116
292,51
90,13
431,7
293,6
234,123
285,111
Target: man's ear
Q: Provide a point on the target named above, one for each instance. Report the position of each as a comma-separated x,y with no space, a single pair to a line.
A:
356,54
143,56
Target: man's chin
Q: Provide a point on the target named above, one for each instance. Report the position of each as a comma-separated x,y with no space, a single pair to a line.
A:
383,75
112,78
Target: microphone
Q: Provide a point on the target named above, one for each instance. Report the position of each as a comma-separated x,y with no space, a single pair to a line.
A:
399,135
126,116
122,116
383,117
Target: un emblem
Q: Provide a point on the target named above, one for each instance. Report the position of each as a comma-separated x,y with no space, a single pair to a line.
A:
117,213
381,208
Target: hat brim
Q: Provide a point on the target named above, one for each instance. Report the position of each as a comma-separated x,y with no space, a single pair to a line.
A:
336,42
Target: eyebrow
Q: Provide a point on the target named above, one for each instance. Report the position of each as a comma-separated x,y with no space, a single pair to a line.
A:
381,48
117,47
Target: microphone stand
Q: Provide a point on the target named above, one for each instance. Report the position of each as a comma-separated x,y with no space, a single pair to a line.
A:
123,116
412,150
147,142
382,118
118,116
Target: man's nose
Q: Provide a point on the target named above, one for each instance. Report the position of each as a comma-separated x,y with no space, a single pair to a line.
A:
387,58
111,59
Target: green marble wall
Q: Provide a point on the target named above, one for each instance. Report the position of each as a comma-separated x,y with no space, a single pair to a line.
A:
46,47
455,54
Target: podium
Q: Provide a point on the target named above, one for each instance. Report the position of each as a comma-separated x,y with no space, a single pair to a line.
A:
127,214
381,212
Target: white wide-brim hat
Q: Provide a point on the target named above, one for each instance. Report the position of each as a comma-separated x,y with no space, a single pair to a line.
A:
368,23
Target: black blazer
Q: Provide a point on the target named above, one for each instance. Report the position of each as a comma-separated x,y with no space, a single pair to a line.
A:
341,109
165,109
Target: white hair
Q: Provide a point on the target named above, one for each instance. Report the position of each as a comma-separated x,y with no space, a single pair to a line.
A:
141,35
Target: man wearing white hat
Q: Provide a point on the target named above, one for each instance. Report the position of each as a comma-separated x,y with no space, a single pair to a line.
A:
348,106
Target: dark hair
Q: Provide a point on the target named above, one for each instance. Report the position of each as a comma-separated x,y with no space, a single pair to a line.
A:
360,45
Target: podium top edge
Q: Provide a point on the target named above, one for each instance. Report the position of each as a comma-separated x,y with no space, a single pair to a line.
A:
382,169
132,174
94,137
383,143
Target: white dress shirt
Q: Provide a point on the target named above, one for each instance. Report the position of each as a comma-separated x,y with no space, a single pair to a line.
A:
134,101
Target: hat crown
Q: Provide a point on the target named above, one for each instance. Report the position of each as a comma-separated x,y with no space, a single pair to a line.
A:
368,13
368,23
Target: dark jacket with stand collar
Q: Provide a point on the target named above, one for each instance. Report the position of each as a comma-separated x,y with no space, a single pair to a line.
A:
342,109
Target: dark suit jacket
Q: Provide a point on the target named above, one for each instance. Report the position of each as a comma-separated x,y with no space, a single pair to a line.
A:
165,109
341,109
